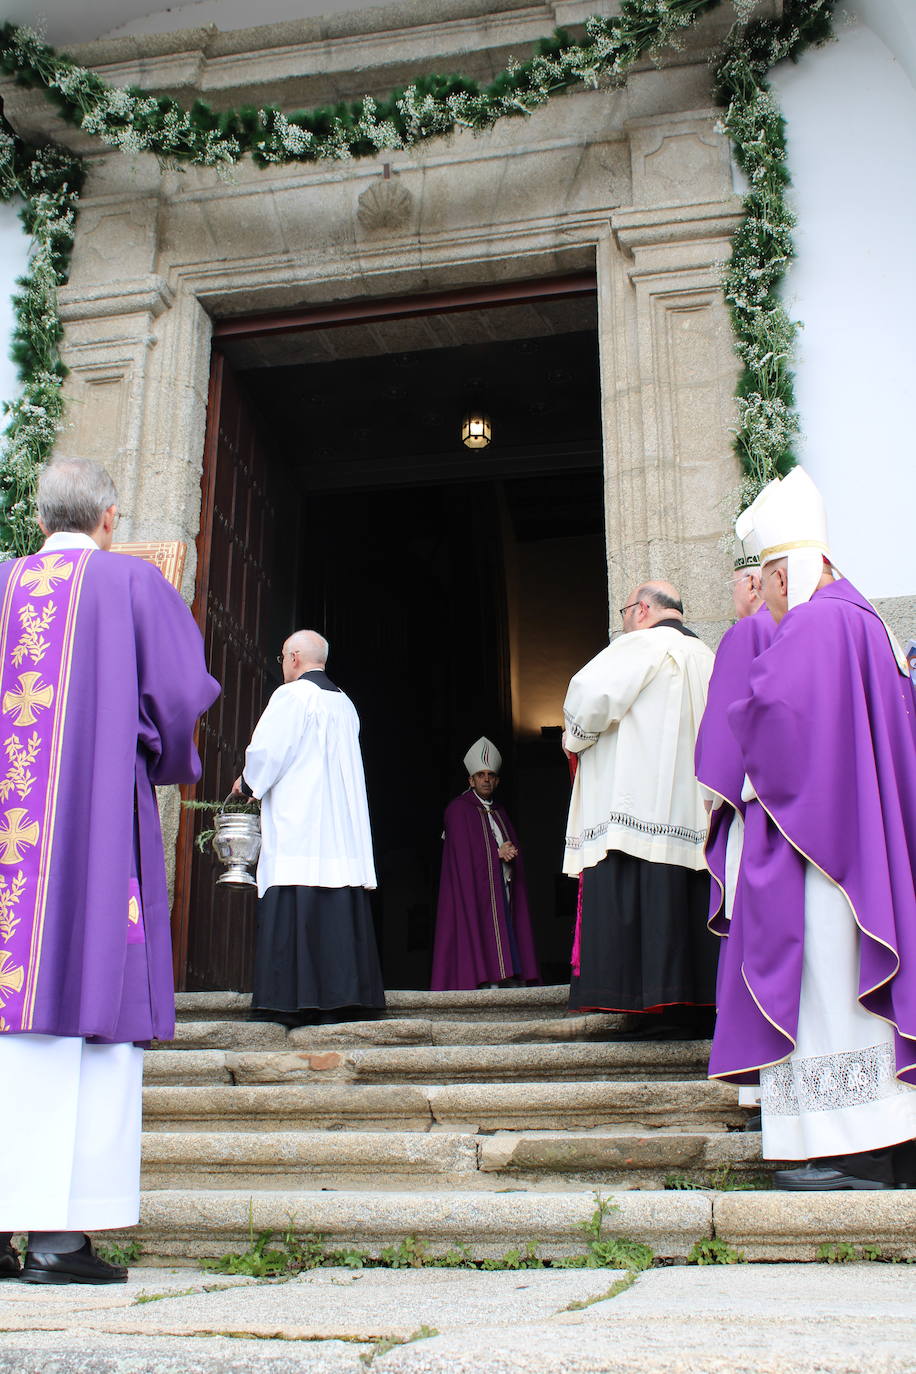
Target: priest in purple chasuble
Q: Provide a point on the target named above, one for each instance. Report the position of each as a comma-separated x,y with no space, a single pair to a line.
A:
483,925
102,679
818,990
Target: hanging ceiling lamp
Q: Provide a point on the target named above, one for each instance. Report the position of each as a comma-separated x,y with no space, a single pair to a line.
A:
476,431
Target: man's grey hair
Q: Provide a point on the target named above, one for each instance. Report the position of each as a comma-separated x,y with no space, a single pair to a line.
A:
73,494
656,597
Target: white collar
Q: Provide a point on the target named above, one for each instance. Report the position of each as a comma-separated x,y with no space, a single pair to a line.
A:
67,539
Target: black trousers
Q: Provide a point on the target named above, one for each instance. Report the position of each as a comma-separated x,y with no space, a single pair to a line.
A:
893,1164
644,942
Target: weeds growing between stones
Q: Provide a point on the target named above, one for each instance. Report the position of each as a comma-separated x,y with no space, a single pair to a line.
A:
295,1254
714,1252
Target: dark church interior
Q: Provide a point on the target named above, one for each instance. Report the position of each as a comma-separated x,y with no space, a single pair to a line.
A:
459,588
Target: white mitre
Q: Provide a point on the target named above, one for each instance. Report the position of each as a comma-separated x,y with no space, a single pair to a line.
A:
788,520
483,757
747,548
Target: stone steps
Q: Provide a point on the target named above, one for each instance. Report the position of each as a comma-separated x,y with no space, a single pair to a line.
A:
191,1224
481,1119
478,1004
417,1107
411,1030
570,1062
580,1160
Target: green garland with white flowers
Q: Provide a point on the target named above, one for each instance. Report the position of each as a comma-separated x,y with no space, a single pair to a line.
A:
48,181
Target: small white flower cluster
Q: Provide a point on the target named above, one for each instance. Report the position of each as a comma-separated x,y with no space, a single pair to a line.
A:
34,421
28,47
214,150
282,139
767,427
767,346
643,26
470,111
381,134
424,116
7,151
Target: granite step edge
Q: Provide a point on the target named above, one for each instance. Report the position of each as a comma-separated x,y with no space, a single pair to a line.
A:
190,1225
770,1226
401,1002
491,1106
343,1159
242,1035
429,1063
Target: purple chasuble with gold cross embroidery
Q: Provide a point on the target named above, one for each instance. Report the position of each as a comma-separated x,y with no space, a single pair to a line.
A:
102,679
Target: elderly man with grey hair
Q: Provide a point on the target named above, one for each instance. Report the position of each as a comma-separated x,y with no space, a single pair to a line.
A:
102,679
637,824
315,957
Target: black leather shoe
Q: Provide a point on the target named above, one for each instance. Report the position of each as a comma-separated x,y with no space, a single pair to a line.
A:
820,1178
79,1266
9,1263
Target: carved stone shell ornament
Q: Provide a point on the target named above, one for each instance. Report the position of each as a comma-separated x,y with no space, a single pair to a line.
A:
384,206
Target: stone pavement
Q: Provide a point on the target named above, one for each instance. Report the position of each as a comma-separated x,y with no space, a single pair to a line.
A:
741,1319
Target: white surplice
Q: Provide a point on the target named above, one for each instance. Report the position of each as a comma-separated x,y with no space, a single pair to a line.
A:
70,1148
632,715
837,1093
305,766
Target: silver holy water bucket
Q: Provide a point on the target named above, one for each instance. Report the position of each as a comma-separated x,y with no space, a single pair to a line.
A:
237,844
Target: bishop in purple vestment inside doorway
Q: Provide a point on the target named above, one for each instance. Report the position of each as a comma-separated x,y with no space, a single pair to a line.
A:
483,926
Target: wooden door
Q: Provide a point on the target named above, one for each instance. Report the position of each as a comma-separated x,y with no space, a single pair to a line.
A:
238,609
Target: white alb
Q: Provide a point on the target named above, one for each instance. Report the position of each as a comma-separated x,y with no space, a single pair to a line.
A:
632,715
305,766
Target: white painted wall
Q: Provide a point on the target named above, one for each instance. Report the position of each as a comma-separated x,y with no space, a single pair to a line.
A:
850,108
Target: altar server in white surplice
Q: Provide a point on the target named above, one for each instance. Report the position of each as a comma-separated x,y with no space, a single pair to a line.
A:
316,958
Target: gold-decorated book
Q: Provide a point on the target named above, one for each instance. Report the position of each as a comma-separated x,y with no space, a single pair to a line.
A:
167,555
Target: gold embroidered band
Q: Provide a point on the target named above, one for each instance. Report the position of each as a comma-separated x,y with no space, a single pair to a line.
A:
777,550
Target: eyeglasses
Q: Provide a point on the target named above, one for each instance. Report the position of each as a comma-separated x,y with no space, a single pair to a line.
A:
117,518
287,653
624,609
